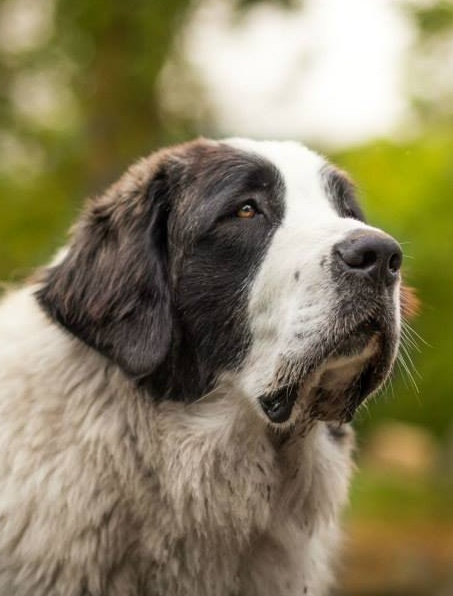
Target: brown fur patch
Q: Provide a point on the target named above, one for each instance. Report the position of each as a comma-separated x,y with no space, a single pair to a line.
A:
410,303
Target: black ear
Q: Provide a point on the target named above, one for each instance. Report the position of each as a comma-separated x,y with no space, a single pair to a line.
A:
111,289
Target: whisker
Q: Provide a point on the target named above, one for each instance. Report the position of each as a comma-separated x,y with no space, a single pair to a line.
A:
388,386
409,374
409,358
406,338
412,331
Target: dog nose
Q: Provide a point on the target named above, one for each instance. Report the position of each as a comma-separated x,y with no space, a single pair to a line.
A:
370,254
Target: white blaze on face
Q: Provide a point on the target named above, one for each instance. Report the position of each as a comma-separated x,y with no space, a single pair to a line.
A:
293,292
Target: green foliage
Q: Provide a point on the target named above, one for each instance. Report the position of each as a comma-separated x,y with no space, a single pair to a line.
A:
433,19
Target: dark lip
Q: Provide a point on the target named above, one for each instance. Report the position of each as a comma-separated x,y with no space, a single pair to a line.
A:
278,404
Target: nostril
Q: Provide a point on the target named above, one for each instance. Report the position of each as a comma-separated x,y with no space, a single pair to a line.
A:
369,259
356,258
395,262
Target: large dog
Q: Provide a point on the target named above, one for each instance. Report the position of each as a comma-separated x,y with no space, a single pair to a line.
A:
176,387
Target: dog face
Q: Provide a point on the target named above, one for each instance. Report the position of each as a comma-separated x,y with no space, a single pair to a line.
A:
324,307
239,262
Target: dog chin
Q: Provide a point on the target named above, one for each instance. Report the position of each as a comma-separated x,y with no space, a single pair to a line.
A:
338,384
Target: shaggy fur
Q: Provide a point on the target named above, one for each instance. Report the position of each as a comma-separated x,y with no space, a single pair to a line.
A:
143,449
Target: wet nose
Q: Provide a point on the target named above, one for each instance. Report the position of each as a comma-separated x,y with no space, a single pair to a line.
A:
371,254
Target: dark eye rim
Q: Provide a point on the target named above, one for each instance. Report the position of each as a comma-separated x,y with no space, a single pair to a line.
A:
230,215
248,202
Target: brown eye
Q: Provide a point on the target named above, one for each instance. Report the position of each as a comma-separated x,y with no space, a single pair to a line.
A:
246,211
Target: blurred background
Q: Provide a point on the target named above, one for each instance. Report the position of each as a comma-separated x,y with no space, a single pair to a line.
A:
87,87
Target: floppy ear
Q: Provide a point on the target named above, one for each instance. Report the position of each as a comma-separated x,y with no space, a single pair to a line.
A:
111,289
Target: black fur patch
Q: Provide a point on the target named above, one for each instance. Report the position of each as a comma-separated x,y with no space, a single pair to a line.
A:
158,272
216,256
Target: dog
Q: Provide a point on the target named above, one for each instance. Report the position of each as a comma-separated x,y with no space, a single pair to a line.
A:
176,387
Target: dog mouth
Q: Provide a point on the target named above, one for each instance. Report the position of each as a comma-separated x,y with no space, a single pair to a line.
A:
339,380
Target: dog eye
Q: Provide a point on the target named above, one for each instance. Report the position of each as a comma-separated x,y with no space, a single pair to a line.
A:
247,211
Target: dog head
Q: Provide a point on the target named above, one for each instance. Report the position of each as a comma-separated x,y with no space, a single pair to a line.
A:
235,261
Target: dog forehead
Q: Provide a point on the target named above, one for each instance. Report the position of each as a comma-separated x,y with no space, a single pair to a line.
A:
289,156
302,171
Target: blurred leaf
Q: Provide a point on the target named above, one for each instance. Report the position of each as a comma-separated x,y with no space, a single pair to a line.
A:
435,19
243,5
